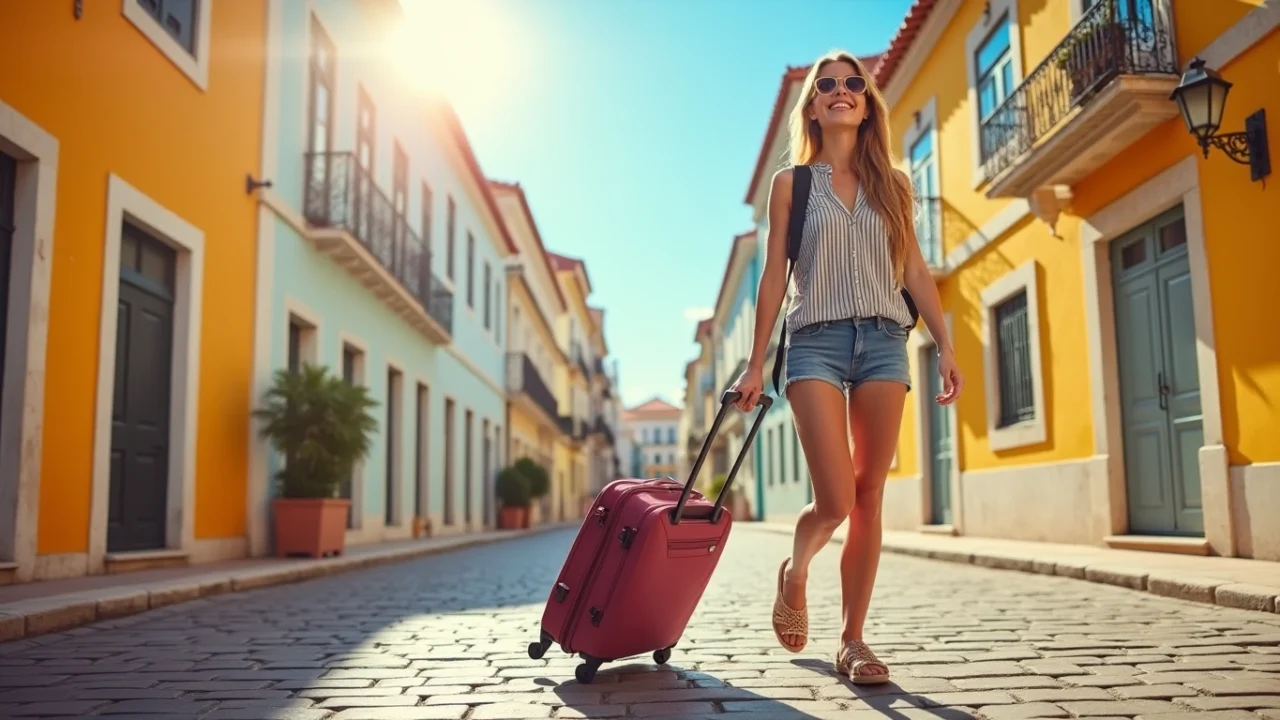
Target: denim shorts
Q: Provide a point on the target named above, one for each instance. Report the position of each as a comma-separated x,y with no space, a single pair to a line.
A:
847,353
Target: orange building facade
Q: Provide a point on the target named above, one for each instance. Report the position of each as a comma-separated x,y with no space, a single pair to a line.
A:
128,237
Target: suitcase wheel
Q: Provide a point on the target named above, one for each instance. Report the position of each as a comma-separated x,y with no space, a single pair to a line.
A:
586,672
538,649
660,657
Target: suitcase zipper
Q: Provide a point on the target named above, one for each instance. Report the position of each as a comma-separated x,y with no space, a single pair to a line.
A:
572,618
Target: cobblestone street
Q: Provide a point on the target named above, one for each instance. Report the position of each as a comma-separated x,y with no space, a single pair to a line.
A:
445,637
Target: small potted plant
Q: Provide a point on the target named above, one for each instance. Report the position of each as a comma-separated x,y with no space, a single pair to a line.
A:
513,491
539,480
321,426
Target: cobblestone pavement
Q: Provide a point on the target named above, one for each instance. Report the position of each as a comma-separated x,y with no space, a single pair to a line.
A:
445,637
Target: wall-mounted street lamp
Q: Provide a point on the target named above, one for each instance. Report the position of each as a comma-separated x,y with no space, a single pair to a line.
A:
1202,96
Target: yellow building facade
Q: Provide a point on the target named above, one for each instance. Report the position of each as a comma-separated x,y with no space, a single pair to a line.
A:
1102,277
535,357
125,140
574,330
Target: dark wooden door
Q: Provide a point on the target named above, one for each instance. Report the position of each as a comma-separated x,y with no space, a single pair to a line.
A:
8,184
140,410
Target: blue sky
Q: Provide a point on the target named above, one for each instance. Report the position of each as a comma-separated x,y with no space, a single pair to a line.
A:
634,126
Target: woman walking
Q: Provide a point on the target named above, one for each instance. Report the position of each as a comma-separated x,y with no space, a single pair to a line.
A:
846,361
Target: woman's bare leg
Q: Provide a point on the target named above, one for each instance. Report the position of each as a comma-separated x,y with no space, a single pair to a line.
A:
819,411
875,415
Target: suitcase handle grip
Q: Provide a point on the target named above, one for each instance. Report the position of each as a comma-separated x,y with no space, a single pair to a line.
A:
730,396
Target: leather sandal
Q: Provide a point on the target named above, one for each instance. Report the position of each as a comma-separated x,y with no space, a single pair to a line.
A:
788,620
855,655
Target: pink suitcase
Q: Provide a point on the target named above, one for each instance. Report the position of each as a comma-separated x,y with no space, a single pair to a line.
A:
641,561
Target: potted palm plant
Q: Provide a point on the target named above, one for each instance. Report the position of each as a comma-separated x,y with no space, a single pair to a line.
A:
321,426
539,480
513,491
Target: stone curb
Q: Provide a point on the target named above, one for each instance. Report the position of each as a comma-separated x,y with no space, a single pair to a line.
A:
27,619
1212,591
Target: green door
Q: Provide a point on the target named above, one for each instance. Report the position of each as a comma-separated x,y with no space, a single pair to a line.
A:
940,452
1159,378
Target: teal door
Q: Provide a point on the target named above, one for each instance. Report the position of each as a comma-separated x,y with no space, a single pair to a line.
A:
1159,378
940,451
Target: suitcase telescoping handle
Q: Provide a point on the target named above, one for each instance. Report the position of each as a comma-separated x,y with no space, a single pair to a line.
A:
726,401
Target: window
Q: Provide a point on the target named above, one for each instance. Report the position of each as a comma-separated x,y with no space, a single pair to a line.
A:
994,63
323,77
8,211
366,128
352,374
427,215
1011,340
391,516
471,270
177,17
671,436
497,308
450,228
180,31
782,453
1014,368
795,455
450,461
768,453
302,343
488,279
421,443
924,178
466,467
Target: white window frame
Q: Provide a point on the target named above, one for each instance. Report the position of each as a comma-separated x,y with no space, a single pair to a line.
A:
1006,10
195,67
1029,432
312,340
125,202
927,126
23,373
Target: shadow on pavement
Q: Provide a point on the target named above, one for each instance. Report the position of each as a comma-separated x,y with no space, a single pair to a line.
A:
440,634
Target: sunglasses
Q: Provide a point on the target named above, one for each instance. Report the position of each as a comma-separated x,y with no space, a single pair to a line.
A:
855,84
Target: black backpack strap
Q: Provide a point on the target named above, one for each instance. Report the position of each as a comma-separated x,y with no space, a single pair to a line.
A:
801,180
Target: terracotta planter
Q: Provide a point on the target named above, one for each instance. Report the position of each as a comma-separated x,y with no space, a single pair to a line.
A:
311,527
513,518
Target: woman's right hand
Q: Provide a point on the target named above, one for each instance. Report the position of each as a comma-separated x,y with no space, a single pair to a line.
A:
750,384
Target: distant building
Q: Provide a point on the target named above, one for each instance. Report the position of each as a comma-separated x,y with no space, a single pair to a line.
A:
650,444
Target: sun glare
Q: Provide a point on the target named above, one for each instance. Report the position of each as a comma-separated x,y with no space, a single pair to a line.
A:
457,49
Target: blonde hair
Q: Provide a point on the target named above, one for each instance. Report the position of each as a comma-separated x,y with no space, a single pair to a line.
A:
886,190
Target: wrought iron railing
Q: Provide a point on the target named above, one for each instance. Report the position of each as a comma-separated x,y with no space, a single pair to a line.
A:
929,229
1114,37
523,376
602,427
573,427
341,194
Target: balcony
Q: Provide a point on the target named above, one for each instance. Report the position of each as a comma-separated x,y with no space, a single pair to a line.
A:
929,233
601,427
353,221
573,428
1100,89
525,382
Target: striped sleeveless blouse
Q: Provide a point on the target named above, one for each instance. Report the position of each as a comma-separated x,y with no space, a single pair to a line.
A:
844,270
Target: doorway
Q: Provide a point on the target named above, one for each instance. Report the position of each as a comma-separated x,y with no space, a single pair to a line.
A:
140,409
941,454
391,505
1161,415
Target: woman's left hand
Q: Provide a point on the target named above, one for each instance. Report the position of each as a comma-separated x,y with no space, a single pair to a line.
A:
952,380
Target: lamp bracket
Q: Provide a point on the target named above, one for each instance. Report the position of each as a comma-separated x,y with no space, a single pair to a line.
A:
1247,148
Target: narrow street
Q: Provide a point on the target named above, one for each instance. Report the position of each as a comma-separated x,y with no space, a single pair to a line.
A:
446,636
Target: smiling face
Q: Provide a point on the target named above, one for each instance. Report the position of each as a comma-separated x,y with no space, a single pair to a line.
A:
839,96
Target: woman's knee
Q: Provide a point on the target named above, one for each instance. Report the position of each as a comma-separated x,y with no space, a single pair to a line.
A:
833,511
870,498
